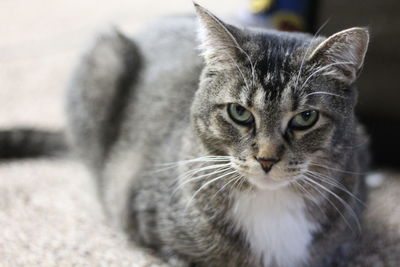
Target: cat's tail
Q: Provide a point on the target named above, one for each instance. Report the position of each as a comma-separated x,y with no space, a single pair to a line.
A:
19,143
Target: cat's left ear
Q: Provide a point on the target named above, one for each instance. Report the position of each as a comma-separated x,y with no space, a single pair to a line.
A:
219,42
343,53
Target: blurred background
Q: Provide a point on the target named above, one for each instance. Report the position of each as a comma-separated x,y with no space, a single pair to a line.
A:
41,40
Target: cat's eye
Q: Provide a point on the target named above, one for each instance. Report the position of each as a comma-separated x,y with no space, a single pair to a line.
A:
239,114
304,120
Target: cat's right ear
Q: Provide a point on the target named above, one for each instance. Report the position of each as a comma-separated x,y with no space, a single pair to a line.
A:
218,41
342,54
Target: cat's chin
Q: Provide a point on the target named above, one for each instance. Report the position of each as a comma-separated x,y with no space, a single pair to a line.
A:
266,182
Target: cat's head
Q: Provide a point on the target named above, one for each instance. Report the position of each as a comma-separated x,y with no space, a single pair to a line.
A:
276,103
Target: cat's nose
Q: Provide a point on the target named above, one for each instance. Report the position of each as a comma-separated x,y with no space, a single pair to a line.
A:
267,163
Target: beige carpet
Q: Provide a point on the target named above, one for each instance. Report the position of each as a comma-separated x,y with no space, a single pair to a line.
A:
50,216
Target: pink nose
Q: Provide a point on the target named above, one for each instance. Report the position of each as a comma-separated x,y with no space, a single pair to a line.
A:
266,164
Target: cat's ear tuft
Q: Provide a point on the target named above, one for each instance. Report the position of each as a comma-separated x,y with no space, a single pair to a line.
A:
218,41
343,53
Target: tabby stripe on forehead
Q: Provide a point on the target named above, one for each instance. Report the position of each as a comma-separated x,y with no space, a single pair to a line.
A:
292,87
295,100
250,96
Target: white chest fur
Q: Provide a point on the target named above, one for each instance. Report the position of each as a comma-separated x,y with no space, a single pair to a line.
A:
275,225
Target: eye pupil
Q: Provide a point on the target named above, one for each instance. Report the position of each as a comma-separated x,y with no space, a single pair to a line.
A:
306,115
240,110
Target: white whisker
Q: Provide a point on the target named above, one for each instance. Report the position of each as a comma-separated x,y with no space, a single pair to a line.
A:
308,50
203,168
329,201
335,169
344,203
235,178
323,93
324,68
200,159
334,183
208,183
181,185
241,74
309,196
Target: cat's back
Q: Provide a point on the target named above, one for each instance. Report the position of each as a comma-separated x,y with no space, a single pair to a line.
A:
168,78
170,57
133,89
157,111
167,41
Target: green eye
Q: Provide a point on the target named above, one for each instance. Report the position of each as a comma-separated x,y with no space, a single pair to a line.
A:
239,114
304,120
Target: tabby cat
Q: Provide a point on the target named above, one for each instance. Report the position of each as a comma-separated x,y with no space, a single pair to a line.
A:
248,155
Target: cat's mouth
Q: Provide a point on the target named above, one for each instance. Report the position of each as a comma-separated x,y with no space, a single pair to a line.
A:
256,176
267,182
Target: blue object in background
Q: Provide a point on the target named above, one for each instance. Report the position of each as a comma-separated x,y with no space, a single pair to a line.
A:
287,15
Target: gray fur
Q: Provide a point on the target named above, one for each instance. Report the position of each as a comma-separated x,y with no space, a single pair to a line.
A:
172,107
